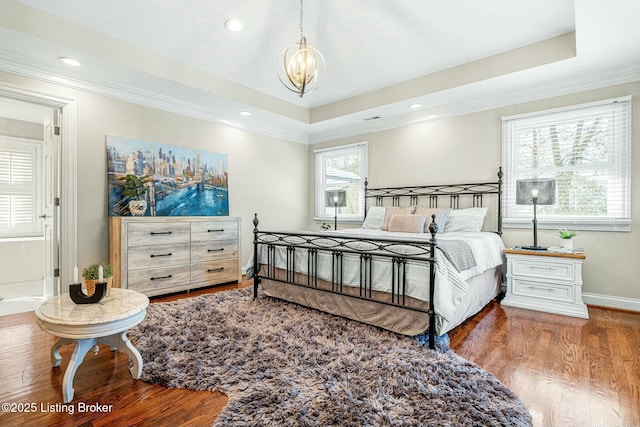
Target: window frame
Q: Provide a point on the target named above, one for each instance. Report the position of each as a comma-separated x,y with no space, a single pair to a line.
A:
35,229
622,161
320,213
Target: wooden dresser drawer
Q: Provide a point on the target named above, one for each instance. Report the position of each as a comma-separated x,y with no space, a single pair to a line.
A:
214,250
215,272
157,233
142,257
543,290
546,269
214,230
150,280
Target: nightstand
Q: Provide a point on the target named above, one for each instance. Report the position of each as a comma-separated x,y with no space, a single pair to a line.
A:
545,281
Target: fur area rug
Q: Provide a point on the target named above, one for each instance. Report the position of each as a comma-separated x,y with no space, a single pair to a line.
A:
282,364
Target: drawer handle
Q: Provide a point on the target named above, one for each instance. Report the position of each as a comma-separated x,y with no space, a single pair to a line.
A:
542,288
215,270
157,255
215,250
162,277
535,267
220,230
155,233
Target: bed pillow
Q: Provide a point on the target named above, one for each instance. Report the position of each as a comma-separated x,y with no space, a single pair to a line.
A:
470,219
395,210
440,213
406,223
375,218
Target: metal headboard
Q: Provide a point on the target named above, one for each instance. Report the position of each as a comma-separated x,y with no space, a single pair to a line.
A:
433,193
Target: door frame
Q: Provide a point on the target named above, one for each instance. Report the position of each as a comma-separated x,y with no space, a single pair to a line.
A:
68,172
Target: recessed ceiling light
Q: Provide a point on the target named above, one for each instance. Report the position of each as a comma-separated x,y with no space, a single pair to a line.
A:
416,105
233,25
245,113
70,61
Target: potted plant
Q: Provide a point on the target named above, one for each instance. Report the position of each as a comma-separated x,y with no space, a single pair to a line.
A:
566,238
325,226
91,275
135,188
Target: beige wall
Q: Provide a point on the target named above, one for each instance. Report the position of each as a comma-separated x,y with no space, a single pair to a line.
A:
468,148
267,175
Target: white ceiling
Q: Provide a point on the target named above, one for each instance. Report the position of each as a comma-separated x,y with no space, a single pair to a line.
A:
381,55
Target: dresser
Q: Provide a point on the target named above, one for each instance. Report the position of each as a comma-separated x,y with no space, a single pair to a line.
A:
161,255
545,281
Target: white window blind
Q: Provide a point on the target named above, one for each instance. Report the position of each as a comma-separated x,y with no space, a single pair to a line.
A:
341,168
586,149
19,188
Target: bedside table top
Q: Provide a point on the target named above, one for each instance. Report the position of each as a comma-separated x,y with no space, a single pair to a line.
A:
520,251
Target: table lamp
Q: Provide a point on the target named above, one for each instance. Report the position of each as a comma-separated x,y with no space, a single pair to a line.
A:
337,199
535,192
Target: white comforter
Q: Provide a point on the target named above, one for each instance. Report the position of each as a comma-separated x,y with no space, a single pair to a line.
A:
451,285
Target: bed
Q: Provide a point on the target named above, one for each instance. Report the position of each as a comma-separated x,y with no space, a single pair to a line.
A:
420,263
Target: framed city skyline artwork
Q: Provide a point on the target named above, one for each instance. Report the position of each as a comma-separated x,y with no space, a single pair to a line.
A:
179,181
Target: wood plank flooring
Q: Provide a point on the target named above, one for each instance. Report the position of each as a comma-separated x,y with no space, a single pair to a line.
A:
567,371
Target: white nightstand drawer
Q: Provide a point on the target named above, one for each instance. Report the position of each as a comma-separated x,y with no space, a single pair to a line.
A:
544,268
543,290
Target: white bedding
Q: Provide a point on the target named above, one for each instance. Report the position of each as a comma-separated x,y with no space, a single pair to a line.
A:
453,289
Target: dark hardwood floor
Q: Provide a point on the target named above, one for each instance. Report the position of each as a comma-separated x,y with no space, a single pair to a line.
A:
567,371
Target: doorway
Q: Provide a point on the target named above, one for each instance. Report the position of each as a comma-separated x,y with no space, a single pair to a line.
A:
29,200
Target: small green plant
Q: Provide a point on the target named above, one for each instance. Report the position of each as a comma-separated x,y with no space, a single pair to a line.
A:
90,272
566,234
325,226
134,186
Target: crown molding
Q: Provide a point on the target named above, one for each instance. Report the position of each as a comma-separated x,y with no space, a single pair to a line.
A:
12,64
16,65
483,103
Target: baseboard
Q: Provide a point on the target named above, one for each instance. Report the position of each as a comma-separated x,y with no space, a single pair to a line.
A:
620,303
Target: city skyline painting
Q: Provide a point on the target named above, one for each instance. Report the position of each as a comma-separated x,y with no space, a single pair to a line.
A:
180,181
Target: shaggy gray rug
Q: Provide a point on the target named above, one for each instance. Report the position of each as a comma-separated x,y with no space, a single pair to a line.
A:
281,364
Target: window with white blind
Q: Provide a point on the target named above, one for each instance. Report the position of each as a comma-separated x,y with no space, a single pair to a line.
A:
586,149
341,169
19,187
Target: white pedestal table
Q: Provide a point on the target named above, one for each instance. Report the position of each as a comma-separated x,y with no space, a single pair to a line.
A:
87,325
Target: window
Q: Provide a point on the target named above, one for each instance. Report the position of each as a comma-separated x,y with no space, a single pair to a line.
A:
19,189
586,149
341,168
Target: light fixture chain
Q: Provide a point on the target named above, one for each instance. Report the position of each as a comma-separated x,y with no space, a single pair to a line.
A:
301,32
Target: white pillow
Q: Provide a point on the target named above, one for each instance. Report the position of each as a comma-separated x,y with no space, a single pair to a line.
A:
465,220
375,218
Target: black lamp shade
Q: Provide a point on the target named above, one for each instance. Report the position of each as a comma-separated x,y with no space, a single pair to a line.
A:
330,198
546,191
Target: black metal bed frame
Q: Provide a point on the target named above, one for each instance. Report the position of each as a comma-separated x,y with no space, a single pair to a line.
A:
368,249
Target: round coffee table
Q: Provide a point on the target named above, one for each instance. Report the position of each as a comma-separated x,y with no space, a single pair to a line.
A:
87,325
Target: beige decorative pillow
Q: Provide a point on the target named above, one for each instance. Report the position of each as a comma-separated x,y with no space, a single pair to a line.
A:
406,223
393,210
441,217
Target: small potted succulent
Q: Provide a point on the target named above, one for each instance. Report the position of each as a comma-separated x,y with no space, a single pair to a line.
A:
325,226
91,275
135,188
566,238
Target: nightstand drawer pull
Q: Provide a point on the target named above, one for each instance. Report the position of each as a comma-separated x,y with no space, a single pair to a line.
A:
543,288
535,267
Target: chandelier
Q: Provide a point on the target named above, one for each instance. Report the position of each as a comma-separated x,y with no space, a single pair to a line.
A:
300,66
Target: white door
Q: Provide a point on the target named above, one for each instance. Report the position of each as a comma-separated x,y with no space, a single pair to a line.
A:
50,204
